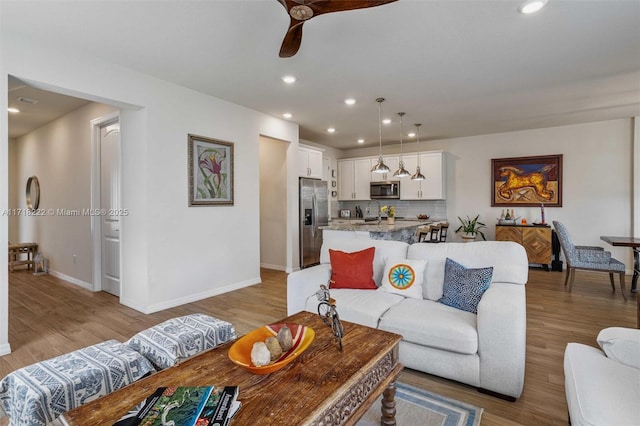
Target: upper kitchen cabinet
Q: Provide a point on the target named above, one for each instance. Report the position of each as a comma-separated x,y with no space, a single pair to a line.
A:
432,166
354,176
309,162
392,162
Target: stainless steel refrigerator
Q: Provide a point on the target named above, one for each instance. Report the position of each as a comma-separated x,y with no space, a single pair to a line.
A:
314,212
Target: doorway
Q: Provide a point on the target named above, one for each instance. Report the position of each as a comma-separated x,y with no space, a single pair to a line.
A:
106,208
273,203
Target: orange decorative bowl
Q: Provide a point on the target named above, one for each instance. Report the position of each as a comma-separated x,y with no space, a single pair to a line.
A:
240,351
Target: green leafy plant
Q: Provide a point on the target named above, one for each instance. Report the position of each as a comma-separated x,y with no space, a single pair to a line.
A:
471,226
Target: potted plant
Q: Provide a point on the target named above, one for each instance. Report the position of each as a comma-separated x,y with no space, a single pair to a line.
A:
471,228
391,214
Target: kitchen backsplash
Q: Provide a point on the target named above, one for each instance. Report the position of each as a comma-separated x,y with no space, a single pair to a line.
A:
435,209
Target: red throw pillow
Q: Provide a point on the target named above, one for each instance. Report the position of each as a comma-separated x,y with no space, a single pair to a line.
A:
352,270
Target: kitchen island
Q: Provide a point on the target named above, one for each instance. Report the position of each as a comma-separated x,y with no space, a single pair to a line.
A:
402,230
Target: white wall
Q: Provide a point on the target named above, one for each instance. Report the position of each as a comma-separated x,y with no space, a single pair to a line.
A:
5,348
273,203
597,177
59,154
171,254
13,192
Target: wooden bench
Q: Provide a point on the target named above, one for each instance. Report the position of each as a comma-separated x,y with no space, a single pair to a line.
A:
16,251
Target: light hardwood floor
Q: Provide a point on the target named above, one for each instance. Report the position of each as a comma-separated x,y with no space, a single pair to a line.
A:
49,317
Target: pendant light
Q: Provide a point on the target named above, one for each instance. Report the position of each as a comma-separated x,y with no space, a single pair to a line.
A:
418,175
401,172
380,167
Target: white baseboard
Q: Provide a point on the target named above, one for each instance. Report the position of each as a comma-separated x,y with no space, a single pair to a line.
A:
72,280
133,305
195,297
5,349
274,267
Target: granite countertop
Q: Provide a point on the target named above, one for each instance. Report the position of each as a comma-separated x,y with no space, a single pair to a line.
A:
374,226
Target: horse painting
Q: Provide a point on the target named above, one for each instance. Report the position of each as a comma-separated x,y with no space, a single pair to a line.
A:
527,181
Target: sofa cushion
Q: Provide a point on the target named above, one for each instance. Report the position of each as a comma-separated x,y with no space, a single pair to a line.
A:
171,342
359,306
621,344
599,390
352,270
463,287
429,323
384,250
37,394
404,277
509,261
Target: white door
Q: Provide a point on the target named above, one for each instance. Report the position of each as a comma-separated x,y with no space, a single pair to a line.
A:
109,205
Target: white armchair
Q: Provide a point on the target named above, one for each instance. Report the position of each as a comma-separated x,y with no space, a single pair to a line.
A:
603,386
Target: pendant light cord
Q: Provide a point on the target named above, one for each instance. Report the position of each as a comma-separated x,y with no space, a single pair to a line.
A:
418,140
380,100
401,131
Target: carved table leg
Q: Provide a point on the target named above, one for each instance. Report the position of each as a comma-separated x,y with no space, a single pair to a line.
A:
389,405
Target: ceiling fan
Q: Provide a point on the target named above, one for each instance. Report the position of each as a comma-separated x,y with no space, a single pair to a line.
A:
303,10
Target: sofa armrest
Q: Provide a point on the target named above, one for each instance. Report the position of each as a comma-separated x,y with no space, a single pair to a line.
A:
304,283
502,333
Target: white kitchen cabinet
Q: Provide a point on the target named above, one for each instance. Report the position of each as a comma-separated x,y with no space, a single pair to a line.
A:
309,163
354,176
432,166
392,162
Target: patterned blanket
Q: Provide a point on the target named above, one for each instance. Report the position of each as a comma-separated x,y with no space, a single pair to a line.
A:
174,340
37,394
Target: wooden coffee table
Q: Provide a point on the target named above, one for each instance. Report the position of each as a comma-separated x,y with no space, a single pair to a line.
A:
323,386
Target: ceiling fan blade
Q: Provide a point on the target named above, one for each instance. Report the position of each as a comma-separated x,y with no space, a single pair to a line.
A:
292,39
329,6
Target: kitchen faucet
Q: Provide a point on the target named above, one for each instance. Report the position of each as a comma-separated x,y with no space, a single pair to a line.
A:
378,203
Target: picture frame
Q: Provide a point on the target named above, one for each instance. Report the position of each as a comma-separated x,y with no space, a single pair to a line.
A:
210,166
527,181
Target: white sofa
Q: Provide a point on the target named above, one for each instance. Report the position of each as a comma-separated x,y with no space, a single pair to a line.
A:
486,350
603,386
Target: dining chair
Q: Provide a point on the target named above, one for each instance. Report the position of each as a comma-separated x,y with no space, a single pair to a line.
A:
443,232
590,258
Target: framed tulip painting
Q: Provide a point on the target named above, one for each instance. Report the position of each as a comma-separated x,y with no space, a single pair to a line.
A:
527,181
210,171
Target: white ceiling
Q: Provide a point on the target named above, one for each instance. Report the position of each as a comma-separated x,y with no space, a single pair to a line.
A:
48,107
459,67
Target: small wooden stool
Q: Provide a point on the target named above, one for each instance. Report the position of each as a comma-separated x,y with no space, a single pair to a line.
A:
17,250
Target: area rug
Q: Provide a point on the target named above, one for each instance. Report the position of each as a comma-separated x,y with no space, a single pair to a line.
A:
418,407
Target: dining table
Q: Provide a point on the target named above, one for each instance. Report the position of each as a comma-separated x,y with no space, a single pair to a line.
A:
634,243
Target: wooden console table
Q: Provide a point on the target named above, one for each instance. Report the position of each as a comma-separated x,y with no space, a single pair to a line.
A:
323,386
16,251
535,239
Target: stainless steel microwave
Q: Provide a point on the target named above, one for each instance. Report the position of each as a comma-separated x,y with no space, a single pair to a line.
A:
384,190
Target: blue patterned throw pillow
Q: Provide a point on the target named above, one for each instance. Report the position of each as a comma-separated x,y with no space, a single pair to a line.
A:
464,287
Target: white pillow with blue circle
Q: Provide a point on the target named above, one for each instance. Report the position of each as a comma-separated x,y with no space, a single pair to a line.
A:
404,277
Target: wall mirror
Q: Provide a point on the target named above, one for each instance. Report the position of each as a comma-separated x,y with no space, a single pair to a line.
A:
33,193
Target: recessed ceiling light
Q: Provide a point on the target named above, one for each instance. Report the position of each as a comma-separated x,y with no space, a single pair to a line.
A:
349,101
411,135
287,115
532,6
331,130
386,121
360,140
289,79
13,110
